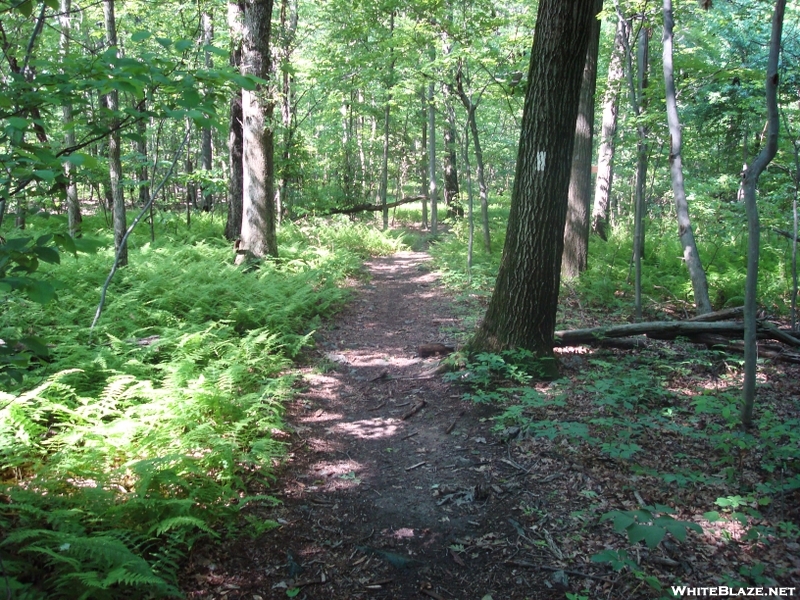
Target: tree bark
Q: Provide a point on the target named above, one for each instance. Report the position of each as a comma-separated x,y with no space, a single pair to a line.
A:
576,231
451,188
73,205
605,155
205,136
114,147
233,226
432,191
483,189
288,23
522,310
386,114
258,238
691,257
749,183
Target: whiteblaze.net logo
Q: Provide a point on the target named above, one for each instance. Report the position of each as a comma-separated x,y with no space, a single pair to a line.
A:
727,592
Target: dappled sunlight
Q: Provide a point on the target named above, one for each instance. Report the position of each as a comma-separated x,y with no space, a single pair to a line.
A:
341,474
369,429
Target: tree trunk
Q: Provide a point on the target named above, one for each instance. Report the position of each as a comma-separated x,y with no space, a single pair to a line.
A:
233,226
479,167
690,255
258,238
636,90
114,147
750,181
205,135
576,231
142,175
73,205
288,23
451,188
432,191
386,114
522,310
605,155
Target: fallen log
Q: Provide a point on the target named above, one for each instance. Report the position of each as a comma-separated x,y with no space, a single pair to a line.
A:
719,315
350,210
667,330
657,329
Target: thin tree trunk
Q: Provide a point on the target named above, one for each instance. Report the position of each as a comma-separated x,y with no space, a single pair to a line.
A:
288,22
142,175
690,255
424,180
750,181
432,190
386,114
114,147
605,155
205,135
258,238
451,188
233,226
73,205
472,123
576,230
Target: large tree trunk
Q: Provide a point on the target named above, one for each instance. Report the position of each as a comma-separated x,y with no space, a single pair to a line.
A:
522,310
258,238
73,205
576,230
605,155
749,183
114,147
690,255
207,202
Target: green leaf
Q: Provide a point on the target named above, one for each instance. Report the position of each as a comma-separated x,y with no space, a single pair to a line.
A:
51,4
35,345
18,123
713,516
48,255
214,50
40,292
166,42
182,45
292,592
140,36
651,534
45,174
26,8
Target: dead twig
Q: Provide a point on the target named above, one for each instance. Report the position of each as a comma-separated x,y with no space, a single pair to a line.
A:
530,565
414,409
381,405
419,464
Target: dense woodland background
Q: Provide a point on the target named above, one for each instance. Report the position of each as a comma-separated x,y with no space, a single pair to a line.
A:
262,152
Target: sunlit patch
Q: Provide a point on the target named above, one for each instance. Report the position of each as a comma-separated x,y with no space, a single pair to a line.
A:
369,429
321,416
723,530
339,475
403,533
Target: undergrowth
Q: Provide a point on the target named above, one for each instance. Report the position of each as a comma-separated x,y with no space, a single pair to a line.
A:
129,443
654,418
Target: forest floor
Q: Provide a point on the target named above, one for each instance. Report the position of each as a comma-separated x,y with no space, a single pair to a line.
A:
378,501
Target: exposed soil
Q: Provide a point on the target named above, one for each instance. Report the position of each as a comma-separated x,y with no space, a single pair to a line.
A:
379,500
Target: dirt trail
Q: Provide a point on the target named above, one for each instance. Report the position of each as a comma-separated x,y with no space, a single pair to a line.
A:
375,505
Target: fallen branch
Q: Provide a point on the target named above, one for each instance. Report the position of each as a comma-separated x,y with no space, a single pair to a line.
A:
414,409
371,207
667,330
530,565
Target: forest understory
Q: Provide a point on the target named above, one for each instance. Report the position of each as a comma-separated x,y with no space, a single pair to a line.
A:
401,482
